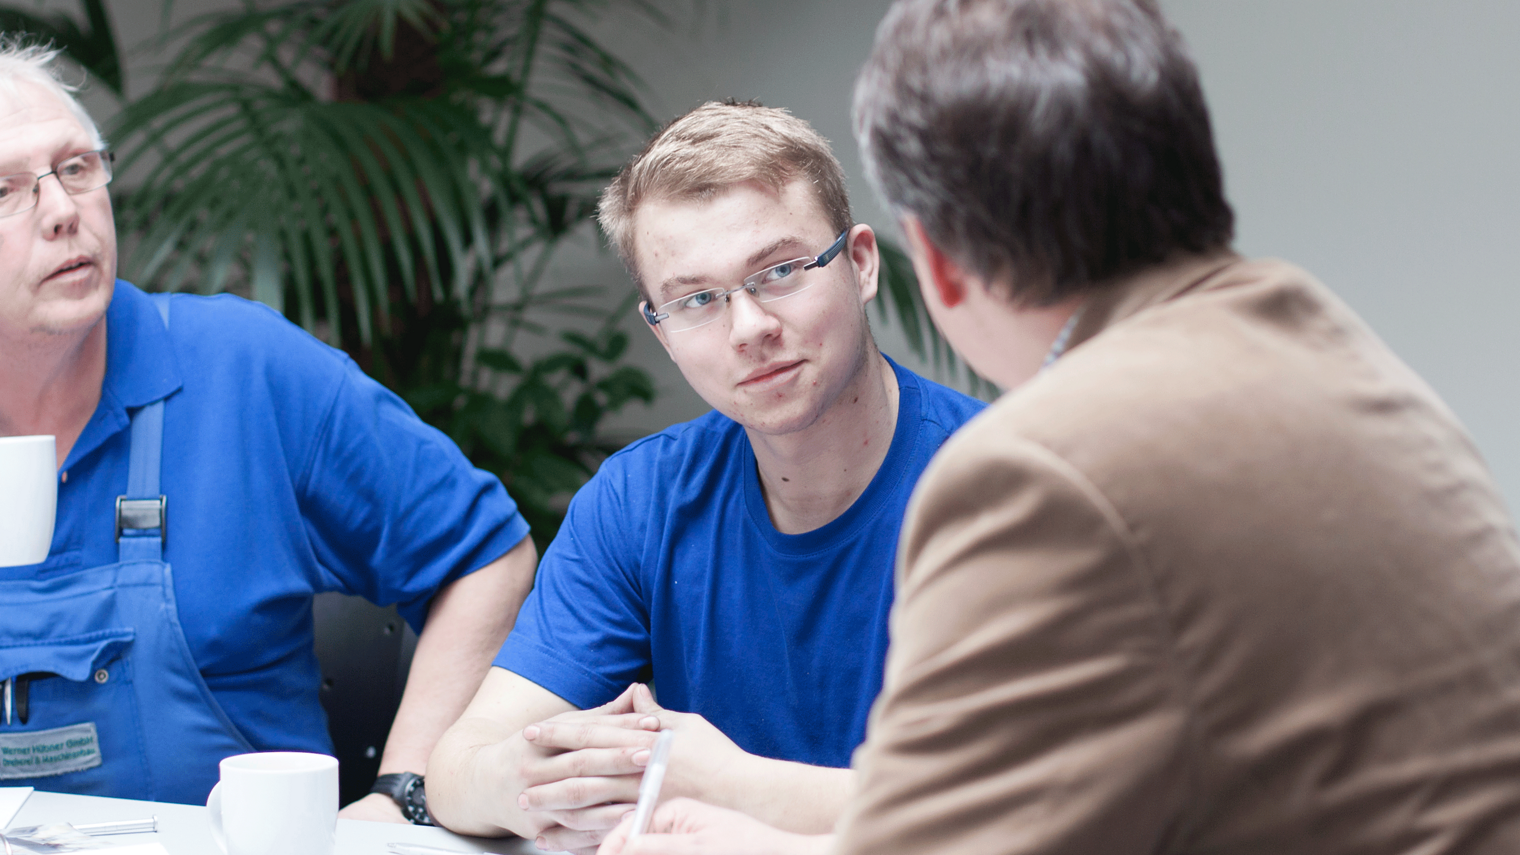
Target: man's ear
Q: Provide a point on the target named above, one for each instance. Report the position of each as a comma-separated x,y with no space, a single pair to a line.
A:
658,331
866,256
937,272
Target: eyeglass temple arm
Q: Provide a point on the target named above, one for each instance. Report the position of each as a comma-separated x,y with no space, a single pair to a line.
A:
834,249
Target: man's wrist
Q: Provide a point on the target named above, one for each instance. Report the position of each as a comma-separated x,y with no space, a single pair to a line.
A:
407,791
736,785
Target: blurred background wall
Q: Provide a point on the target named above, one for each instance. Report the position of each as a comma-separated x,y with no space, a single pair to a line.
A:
1371,141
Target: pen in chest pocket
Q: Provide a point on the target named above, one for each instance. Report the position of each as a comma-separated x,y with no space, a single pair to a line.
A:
17,698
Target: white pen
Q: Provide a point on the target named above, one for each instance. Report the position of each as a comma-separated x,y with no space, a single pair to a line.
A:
649,788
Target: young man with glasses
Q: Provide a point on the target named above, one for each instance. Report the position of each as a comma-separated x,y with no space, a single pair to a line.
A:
741,562
282,470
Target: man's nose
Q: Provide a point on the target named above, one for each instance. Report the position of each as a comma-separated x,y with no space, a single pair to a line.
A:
55,205
749,320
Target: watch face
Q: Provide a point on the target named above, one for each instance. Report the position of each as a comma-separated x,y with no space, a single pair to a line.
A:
414,803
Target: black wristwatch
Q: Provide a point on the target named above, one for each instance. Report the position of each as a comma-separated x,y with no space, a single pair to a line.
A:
406,789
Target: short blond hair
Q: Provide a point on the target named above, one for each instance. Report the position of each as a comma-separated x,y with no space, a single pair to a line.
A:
715,146
38,64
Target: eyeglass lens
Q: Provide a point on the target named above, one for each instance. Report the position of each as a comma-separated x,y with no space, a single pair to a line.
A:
79,174
767,286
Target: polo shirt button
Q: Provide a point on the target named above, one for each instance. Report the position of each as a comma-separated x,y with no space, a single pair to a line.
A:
64,477
101,676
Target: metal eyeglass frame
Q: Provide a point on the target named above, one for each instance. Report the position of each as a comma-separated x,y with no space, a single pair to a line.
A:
751,284
107,157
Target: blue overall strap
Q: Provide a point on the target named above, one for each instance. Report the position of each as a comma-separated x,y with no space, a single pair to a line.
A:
142,522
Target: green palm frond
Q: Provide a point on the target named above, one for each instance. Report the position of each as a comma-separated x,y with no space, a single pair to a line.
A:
259,180
355,30
227,44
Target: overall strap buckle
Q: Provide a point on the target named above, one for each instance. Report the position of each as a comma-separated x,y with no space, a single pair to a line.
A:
141,514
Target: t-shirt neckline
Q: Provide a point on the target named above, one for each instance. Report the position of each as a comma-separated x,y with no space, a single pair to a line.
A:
877,496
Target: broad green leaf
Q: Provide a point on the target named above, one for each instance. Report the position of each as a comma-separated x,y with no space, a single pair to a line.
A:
626,384
499,360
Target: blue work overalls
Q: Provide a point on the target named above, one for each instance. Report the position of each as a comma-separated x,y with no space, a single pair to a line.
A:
101,694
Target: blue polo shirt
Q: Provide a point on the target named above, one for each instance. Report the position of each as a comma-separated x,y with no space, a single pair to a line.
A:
668,568
288,472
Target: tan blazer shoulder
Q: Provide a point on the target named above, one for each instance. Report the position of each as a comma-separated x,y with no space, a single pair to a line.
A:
1227,578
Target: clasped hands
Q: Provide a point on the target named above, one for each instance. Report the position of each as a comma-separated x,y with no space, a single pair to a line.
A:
582,769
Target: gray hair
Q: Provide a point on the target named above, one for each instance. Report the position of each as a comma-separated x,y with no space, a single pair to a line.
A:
38,64
1046,145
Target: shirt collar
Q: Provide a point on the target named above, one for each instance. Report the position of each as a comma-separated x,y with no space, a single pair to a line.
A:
140,363
140,367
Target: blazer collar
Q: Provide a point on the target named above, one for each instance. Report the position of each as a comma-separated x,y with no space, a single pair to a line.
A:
1133,294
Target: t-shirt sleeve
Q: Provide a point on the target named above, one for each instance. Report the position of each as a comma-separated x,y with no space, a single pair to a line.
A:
1030,703
393,510
583,633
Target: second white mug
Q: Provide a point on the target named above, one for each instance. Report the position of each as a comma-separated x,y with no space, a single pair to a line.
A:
276,803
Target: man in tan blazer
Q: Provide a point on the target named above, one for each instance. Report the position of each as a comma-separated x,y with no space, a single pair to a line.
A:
1220,574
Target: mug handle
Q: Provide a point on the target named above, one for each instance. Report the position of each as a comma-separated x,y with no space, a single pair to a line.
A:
214,812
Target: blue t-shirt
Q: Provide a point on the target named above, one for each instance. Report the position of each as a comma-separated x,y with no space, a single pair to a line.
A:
668,568
288,472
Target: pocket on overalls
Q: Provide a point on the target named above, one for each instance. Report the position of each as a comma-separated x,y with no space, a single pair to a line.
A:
72,721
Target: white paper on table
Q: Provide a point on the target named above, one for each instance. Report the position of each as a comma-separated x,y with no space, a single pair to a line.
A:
11,800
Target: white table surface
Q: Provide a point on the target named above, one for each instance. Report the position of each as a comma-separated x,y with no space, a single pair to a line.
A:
185,829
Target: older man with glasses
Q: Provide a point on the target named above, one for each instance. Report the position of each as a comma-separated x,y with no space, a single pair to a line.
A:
281,469
741,562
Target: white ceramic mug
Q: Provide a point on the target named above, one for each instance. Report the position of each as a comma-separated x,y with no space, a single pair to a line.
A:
28,498
276,803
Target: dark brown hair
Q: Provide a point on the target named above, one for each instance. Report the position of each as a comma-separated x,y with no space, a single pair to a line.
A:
1053,144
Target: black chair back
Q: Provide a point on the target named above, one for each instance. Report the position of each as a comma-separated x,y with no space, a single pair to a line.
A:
365,652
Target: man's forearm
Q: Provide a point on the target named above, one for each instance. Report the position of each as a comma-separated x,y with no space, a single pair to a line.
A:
465,790
466,626
476,772
790,796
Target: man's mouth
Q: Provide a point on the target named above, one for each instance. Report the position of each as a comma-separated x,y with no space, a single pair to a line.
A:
770,372
70,267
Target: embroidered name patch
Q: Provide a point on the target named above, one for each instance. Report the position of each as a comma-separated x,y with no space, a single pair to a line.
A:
49,752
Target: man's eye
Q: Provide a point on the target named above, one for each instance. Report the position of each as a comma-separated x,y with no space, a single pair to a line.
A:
697,300
74,168
779,272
